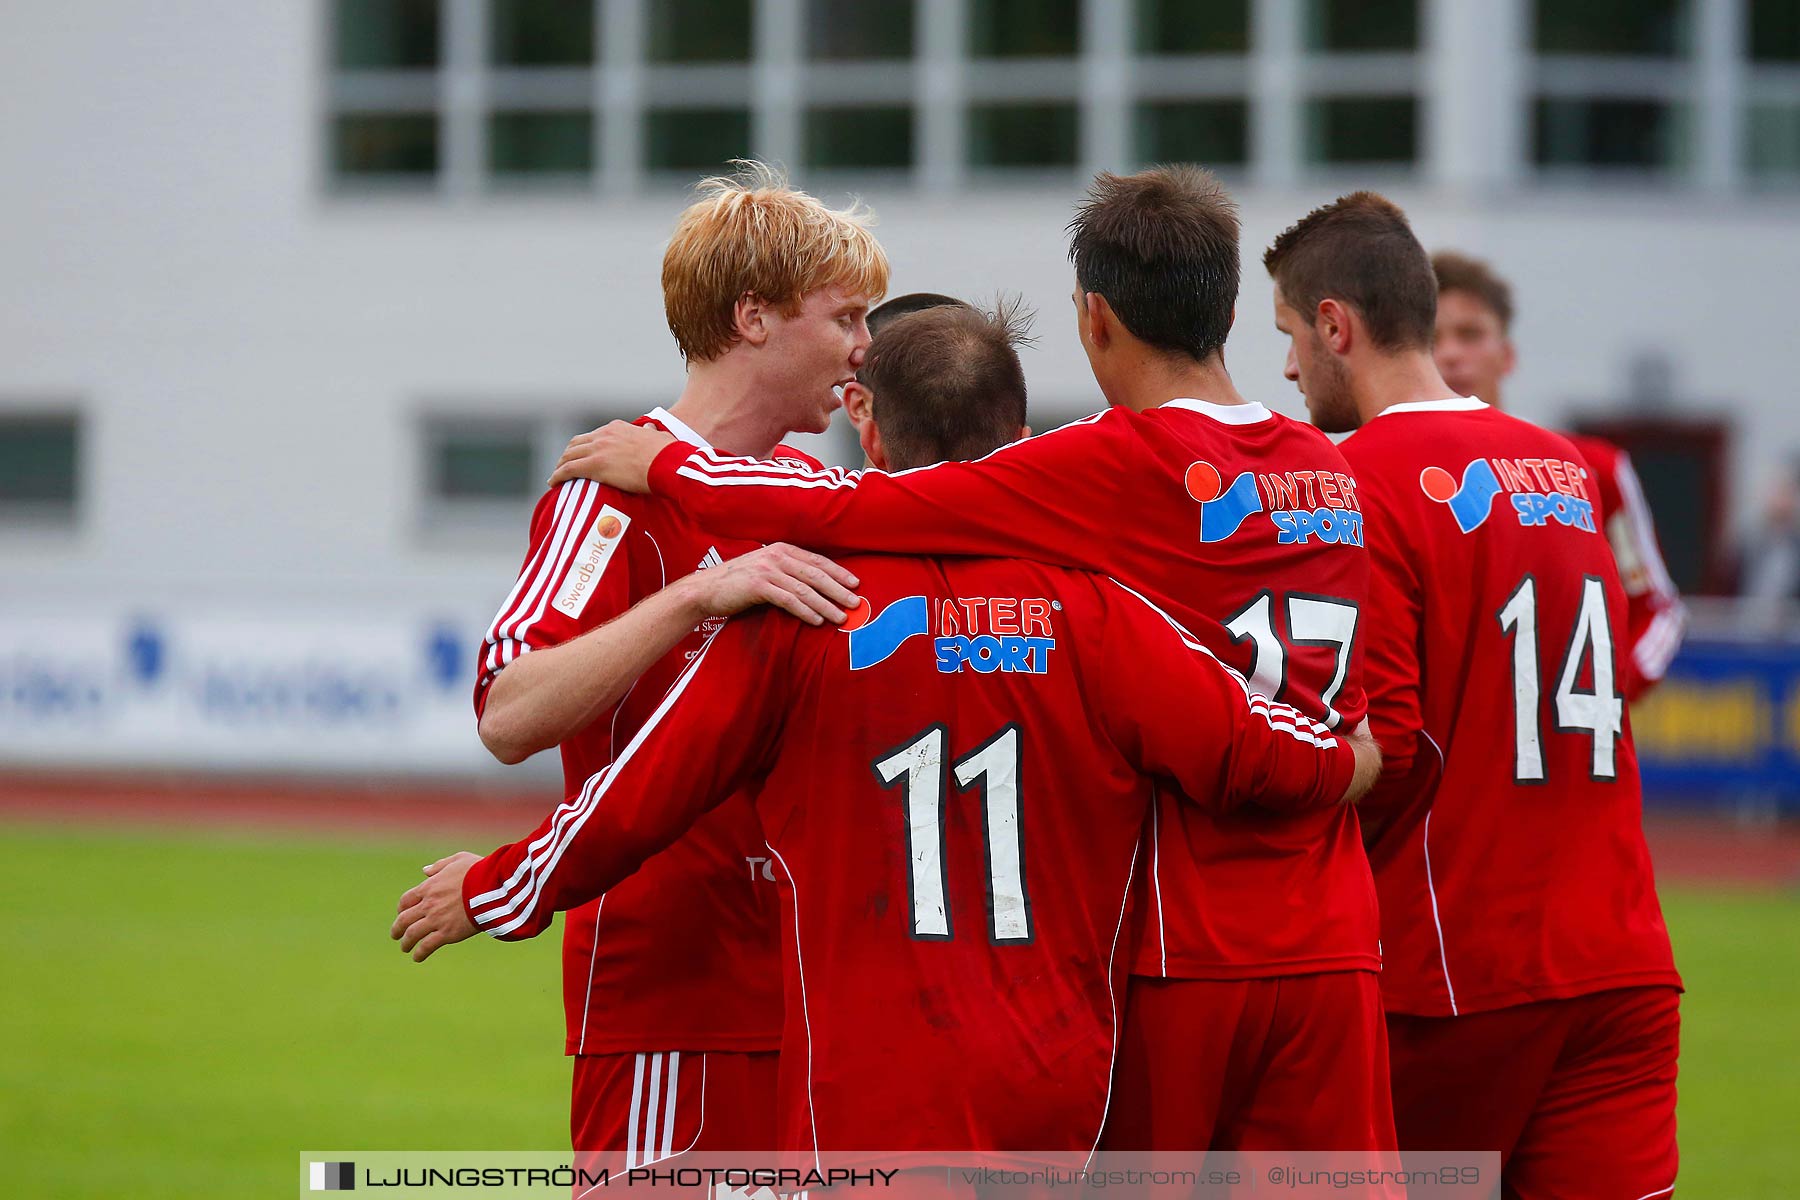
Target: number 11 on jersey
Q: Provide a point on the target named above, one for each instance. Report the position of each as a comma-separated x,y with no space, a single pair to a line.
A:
993,770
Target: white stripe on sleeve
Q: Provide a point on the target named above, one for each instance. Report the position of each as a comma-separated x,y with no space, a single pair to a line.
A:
563,552
1280,717
1662,638
546,851
723,470
536,563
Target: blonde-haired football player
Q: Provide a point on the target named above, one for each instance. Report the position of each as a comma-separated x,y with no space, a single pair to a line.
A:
672,981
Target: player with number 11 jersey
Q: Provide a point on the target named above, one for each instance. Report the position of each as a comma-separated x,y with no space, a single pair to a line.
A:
1245,525
953,789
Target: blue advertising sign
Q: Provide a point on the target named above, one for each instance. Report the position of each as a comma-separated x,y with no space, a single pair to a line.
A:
1724,723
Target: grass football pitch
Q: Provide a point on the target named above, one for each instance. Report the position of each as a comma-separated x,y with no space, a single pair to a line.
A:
184,1012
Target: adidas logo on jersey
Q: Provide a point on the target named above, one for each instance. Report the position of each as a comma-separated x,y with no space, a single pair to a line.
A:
712,558
985,633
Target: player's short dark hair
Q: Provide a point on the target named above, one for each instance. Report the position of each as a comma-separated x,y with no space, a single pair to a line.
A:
1463,273
883,314
947,382
1162,247
1360,250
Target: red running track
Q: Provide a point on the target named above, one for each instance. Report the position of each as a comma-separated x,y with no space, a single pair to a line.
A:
1697,850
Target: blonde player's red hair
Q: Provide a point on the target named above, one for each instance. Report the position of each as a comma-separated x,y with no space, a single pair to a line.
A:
750,232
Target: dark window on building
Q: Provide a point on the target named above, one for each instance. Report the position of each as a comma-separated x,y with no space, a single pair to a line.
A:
39,464
541,33
1606,133
1774,30
385,144
698,31
537,143
859,29
695,139
1363,24
859,137
1659,28
481,460
1022,135
1208,132
1190,27
1363,129
386,34
1024,28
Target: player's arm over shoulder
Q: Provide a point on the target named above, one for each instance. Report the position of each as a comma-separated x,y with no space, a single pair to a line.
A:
1161,685
1054,498
712,735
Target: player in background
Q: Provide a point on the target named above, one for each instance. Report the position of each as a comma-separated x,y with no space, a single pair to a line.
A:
671,986
1532,998
1475,352
855,394
1255,1018
954,790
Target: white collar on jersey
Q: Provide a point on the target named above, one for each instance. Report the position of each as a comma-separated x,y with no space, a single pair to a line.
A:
1250,413
1453,404
681,429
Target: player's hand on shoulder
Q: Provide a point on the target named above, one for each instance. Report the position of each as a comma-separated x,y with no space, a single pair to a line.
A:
432,913
617,454
807,585
1368,762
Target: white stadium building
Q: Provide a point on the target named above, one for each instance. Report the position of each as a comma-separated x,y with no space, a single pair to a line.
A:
298,300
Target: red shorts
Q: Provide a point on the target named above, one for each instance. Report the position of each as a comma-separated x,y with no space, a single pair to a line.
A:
1578,1096
630,1110
1293,1063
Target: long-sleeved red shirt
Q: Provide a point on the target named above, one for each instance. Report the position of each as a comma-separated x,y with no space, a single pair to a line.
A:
954,796
1507,840
644,966
1655,618
1243,524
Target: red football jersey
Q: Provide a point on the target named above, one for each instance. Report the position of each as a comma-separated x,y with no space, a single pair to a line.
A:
1245,526
1520,872
644,966
1655,616
954,794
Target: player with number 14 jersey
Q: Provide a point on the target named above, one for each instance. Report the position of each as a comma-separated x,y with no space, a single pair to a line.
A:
1532,881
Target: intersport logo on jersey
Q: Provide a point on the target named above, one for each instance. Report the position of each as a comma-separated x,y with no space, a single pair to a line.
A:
1542,490
1303,506
983,633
